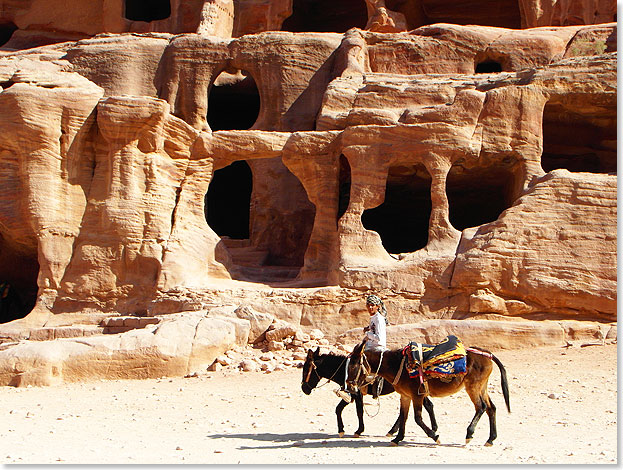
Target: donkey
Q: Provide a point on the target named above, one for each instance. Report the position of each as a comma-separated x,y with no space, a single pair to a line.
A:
333,367
390,364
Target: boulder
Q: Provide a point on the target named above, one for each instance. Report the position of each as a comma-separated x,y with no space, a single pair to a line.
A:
179,345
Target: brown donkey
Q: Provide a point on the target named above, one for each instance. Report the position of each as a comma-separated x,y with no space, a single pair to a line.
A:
364,366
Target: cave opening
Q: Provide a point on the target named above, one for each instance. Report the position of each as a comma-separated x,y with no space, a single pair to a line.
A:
402,219
500,13
228,201
233,102
326,16
7,28
18,283
488,66
265,231
147,10
579,141
479,195
344,180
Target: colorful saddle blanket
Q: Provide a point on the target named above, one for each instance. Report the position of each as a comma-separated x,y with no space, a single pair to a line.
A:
446,359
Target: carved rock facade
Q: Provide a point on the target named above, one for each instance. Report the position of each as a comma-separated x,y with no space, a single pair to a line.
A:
207,158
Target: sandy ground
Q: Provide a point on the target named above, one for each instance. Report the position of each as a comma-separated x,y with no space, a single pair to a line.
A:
563,400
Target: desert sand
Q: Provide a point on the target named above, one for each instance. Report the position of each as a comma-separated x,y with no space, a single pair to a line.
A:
563,402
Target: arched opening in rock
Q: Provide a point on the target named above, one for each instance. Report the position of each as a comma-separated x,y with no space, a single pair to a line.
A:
228,201
326,16
343,187
147,10
18,283
479,195
264,231
7,28
579,139
488,66
233,102
402,219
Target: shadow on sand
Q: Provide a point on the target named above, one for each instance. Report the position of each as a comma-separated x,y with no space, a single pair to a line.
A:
319,441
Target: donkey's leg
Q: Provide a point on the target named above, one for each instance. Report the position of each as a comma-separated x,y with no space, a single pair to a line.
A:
493,432
359,406
394,428
480,407
428,406
405,401
417,410
338,412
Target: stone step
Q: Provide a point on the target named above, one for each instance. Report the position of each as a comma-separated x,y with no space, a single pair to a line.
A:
268,273
121,324
56,332
236,243
248,256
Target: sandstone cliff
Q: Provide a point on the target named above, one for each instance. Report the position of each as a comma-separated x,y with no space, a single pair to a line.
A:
208,158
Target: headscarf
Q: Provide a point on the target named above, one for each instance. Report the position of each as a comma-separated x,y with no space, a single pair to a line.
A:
376,300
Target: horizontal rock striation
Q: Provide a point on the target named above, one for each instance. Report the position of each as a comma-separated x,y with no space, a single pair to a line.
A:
208,158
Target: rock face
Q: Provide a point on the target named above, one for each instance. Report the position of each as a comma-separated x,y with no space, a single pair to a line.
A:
292,155
179,345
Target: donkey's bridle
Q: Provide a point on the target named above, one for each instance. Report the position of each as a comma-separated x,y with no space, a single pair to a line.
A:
313,367
364,365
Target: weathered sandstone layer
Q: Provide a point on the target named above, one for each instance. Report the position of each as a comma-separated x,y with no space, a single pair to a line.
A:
235,154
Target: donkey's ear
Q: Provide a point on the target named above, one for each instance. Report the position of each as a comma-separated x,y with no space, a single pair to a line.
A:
317,351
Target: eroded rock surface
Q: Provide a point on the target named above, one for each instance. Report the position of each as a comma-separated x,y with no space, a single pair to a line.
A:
236,154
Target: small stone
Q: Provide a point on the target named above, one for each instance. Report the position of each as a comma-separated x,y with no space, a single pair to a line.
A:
269,356
249,365
316,334
276,346
302,337
216,366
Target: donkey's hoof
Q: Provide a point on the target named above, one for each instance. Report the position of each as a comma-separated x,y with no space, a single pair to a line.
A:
488,444
341,433
437,441
394,443
389,434
356,434
468,440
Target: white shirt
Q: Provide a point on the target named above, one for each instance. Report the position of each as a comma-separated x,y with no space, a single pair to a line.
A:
377,334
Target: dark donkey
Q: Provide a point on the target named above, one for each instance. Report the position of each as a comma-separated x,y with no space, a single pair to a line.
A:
479,366
333,367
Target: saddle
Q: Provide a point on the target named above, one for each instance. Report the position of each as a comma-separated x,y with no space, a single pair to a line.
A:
444,360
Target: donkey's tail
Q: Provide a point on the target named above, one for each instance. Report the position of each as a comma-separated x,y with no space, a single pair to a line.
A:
504,382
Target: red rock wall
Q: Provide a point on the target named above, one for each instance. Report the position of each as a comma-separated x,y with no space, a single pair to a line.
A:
420,164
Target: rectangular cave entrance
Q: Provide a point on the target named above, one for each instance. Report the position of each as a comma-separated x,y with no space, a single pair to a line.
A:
402,219
264,218
500,13
580,139
147,10
326,16
18,282
478,195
